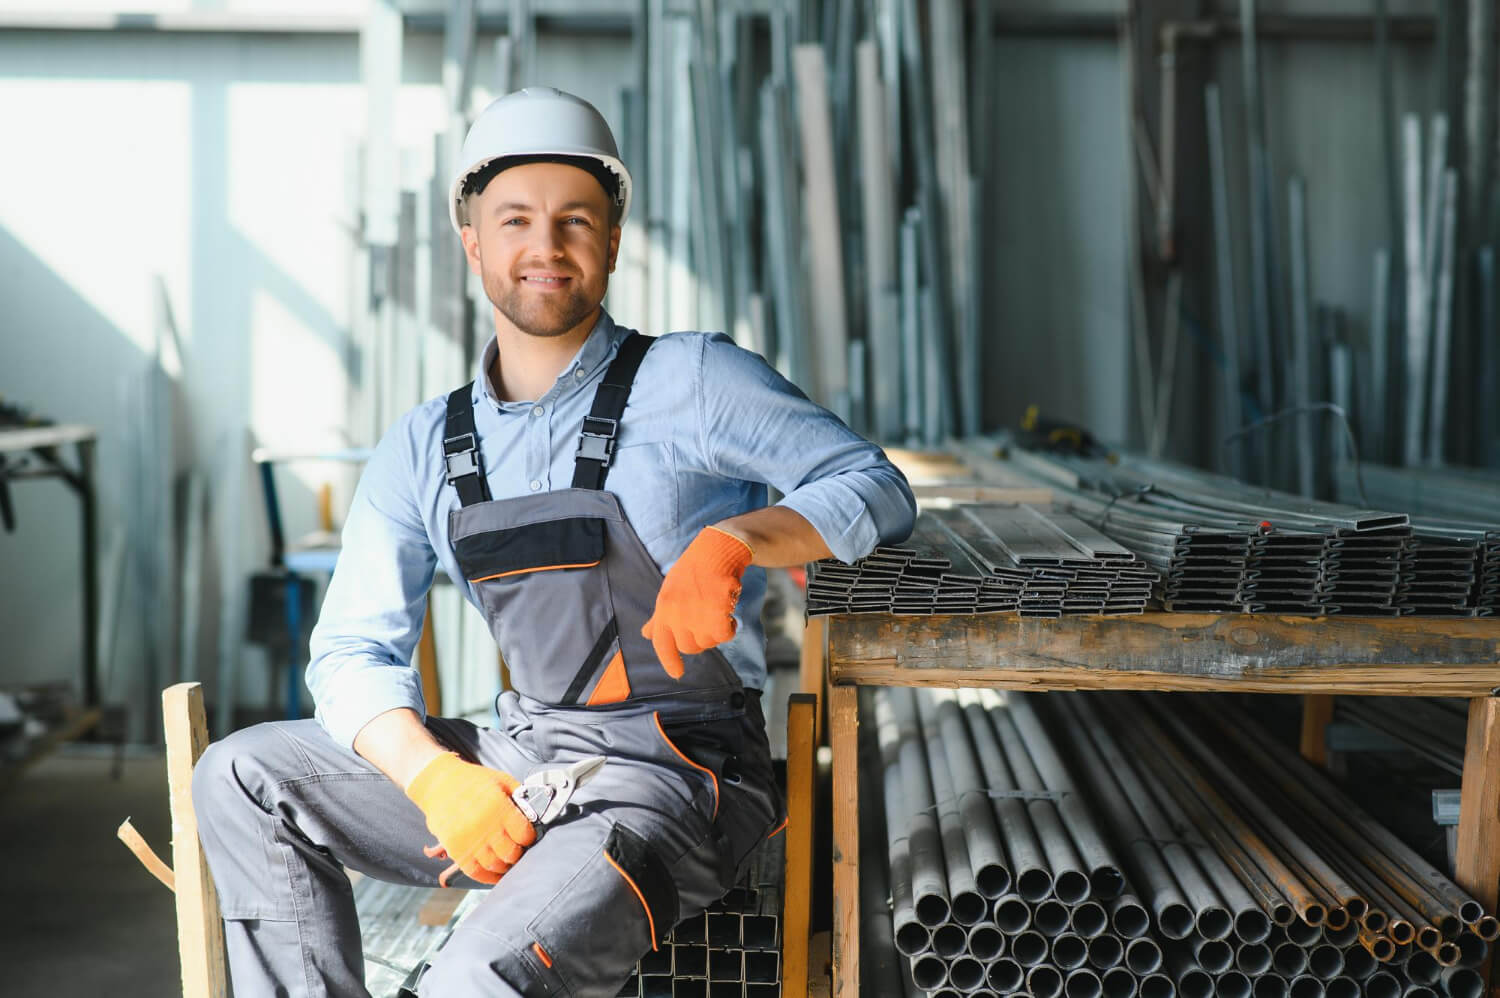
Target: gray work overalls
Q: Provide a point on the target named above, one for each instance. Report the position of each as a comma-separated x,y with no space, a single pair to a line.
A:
664,829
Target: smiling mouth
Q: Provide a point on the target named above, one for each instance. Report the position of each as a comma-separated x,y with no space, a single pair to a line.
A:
545,282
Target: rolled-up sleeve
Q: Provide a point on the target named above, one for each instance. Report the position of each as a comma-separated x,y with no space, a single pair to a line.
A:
758,426
361,649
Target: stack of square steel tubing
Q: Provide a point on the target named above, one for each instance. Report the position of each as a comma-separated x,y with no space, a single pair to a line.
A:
986,558
733,950
1102,846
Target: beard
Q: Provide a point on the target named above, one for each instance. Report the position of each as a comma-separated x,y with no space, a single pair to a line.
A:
540,315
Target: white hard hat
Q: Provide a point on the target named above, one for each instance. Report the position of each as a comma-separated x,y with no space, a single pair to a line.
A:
538,121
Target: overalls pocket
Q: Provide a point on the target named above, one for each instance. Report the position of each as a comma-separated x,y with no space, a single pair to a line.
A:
741,807
558,564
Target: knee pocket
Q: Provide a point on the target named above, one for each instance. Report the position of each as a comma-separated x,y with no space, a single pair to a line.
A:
622,902
470,963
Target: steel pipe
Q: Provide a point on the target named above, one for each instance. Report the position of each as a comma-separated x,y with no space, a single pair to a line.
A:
982,837
1143,956
1105,952
1105,770
1084,983
1105,879
986,943
968,906
1422,968
929,972
1289,959
1213,955
912,937
1462,982
1159,985
949,940
1069,952
1012,914
1119,982
1408,875
1028,865
1382,984
1217,922
1029,948
1232,984
1050,917
1271,986
1044,981
966,974
928,872
1307,986
1069,881
1252,958
1089,919
1128,918
1325,962
1293,844
1004,976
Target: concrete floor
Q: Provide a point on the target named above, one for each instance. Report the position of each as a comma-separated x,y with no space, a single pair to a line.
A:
78,915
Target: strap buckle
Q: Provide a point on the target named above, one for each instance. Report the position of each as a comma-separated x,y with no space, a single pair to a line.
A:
461,461
597,441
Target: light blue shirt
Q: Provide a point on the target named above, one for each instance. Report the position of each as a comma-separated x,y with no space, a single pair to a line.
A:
708,427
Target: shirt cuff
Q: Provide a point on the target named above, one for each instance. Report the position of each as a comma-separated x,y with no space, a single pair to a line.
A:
358,695
826,504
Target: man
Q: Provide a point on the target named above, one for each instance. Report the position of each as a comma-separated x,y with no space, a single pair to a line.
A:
555,489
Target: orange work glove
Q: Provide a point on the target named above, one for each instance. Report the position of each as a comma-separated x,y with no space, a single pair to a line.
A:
695,607
470,812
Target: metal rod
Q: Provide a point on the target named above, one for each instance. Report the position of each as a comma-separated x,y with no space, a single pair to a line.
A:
1416,288
1375,412
1442,320
1228,308
1259,213
1301,333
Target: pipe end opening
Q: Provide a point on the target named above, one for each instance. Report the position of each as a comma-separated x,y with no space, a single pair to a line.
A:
1131,920
993,880
1071,887
1252,926
1084,984
1176,921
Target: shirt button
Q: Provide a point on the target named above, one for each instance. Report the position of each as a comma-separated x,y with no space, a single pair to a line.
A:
535,485
578,373
540,410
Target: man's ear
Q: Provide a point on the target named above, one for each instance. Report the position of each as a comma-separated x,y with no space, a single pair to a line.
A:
614,247
471,249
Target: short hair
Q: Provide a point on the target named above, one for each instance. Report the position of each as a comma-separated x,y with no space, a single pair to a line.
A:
475,183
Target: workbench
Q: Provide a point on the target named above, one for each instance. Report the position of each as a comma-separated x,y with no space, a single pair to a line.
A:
1227,653
32,452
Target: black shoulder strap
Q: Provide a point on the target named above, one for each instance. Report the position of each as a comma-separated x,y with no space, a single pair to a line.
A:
461,448
596,444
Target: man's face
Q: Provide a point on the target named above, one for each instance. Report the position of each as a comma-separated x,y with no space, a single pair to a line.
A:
540,237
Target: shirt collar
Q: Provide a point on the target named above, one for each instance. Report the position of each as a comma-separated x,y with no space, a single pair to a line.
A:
596,350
